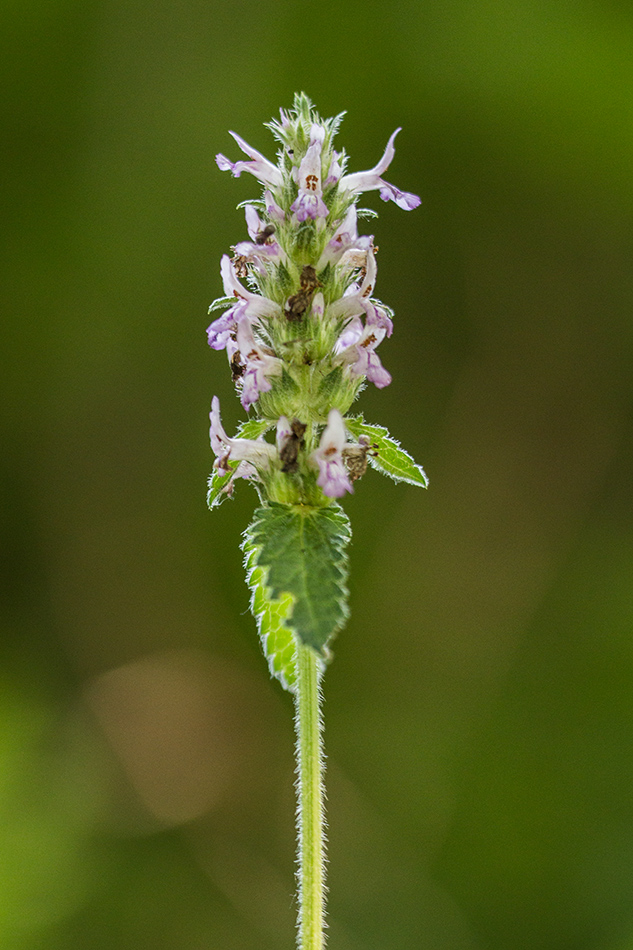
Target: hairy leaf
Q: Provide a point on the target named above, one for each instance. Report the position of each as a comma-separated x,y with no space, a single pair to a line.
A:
278,641
385,453
253,428
301,553
221,302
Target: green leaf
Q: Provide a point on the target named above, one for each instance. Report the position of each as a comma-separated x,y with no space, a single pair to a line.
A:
253,428
301,554
278,641
386,455
220,486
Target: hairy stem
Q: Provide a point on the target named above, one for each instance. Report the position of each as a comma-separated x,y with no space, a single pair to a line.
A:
310,816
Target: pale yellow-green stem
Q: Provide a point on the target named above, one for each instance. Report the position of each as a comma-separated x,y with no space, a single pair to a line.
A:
310,810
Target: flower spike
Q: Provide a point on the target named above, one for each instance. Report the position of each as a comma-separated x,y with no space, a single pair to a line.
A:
302,326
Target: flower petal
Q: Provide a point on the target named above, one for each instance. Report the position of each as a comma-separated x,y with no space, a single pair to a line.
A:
372,179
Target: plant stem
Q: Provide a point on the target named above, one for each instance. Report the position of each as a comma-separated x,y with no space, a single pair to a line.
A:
310,812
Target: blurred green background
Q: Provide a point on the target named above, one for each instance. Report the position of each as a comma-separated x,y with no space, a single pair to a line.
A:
479,719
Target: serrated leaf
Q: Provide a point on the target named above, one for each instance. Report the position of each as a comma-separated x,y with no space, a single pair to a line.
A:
301,552
220,482
386,454
278,641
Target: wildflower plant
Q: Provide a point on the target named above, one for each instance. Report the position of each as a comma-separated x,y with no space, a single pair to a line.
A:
301,327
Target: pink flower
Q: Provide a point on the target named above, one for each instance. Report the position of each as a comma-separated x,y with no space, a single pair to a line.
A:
256,305
258,365
345,239
248,306
333,477
272,208
222,330
370,180
262,246
335,170
357,345
252,454
357,299
258,166
309,203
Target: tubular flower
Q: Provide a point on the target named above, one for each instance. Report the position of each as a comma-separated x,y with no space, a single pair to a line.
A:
345,240
262,246
222,330
248,305
357,298
356,347
301,325
258,166
252,454
256,305
369,181
333,476
258,364
310,202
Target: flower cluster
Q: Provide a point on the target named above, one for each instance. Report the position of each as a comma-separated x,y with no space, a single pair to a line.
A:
300,324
